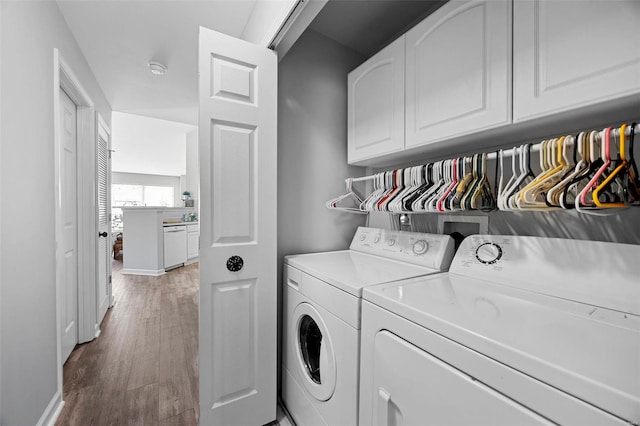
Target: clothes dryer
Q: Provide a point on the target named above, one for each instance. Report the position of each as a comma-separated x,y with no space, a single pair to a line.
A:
322,298
521,330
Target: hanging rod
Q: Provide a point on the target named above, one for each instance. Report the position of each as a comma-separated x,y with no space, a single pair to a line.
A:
507,153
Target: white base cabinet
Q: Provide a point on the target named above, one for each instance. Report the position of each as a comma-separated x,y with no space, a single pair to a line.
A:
458,71
569,55
193,241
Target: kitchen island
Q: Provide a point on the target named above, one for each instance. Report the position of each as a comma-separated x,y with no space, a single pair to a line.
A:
144,231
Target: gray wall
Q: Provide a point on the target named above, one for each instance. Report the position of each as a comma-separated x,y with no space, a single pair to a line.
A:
312,147
29,33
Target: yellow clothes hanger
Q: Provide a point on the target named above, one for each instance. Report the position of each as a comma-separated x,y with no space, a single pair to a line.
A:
616,172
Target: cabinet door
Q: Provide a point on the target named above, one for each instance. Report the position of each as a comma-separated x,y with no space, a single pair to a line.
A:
376,105
573,54
193,242
458,71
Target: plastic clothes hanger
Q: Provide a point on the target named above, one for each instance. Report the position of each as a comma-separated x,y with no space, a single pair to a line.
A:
463,185
425,183
482,197
431,203
616,174
526,175
453,183
408,178
632,179
533,195
397,185
580,147
503,194
437,182
378,189
351,195
572,191
584,198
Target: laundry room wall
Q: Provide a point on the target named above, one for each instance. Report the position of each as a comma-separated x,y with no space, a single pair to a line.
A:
312,147
29,33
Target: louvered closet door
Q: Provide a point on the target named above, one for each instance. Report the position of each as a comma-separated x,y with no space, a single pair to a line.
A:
104,226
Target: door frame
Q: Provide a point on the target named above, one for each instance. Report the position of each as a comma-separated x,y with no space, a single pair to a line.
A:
64,78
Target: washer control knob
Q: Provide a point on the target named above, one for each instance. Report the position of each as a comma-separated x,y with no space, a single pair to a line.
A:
376,239
488,253
391,242
363,237
420,247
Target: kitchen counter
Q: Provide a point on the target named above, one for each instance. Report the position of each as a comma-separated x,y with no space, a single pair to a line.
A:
193,222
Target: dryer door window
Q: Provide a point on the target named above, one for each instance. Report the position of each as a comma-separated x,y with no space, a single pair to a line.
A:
316,359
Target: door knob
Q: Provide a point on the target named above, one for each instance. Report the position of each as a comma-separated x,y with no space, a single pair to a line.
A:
102,234
235,263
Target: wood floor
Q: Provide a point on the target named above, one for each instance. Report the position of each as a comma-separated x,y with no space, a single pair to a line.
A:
143,368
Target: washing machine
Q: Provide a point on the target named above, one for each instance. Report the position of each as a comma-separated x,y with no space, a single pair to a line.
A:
520,331
322,300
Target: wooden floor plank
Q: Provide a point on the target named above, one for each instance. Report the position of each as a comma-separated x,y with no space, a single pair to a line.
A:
143,368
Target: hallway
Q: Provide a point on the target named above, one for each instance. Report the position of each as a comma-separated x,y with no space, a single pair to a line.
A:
143,368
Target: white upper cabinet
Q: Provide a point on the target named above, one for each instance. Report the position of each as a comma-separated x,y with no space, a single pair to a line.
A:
569,55
458,71
376,105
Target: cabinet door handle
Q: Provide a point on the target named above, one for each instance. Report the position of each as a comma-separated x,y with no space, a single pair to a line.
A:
102,234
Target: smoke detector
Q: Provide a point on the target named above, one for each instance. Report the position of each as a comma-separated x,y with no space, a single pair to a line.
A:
157,68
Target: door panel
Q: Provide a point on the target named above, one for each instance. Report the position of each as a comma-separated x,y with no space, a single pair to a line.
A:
237,146
68,164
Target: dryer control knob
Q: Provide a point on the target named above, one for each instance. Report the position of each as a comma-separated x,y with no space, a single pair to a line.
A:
488,253
376,239
363,237
391,242
420,247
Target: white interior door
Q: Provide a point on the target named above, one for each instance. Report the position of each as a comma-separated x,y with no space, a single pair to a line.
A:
103,158
237,146
69,203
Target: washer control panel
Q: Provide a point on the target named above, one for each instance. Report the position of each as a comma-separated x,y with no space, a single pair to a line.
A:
430,250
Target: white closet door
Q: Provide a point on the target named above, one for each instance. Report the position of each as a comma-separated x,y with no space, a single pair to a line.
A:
237,146
573,54
103,168
458,77
69,203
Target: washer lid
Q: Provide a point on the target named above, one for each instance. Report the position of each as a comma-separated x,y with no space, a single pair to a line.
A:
351,271
587,351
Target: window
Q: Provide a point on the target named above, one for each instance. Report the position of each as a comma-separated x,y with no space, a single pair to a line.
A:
137,195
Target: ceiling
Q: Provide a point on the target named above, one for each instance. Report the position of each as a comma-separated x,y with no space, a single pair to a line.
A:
366,26
119,38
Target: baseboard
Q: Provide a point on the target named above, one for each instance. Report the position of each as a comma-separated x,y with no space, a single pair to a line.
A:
190,261
98,331
52,411
148,272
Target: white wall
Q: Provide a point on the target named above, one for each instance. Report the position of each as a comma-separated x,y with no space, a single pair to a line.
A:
152,180
29,33
193,168
148,145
